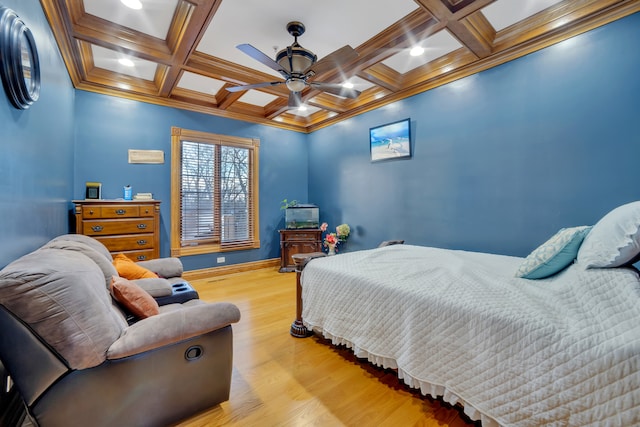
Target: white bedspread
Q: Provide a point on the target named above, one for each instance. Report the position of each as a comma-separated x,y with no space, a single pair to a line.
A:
563,351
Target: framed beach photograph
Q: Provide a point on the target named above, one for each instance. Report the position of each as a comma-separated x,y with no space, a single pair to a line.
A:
391,141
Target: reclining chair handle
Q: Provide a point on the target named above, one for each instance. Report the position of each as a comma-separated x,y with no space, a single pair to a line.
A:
194,352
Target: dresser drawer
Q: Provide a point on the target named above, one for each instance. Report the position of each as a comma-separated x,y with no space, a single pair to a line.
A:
138,255
301,236
127,243
106,227
111,211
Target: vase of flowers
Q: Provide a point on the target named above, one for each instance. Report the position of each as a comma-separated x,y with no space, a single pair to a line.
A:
332,240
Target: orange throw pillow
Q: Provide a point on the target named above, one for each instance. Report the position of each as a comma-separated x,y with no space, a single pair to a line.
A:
130,270
135,299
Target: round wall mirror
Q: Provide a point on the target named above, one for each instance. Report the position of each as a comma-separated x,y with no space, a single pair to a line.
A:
20,65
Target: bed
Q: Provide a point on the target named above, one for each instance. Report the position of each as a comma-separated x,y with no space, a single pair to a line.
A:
563,349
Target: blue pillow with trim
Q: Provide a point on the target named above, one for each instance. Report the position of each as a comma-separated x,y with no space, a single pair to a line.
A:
554,255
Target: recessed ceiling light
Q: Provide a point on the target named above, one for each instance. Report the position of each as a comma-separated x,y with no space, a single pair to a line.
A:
416,51
126,62
132,4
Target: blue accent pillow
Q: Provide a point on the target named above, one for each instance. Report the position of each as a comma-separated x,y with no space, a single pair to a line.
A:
553,255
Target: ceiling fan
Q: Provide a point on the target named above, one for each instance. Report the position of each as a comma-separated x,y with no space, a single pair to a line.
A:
297,65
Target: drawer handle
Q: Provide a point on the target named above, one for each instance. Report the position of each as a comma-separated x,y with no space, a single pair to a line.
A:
142,242
141,257
97,228
142,226
121,211
91,212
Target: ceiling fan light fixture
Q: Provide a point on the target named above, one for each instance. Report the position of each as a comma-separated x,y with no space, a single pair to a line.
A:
295,84
295,59
297,65
347,85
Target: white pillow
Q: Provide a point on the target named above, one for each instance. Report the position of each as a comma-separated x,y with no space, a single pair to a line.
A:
614,240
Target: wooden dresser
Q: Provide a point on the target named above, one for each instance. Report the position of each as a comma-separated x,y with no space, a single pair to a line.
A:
297,242
128,227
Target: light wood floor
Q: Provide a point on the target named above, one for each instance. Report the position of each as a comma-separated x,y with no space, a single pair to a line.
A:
279,380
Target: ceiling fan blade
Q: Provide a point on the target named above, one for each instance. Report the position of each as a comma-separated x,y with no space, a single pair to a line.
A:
335,89
294,100
332,61
253,86
262,58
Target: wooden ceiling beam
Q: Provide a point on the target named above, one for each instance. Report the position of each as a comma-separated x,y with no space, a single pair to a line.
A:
105,78
229,72
99,32
319,116
556,20
245,108
474,38
188,26
469,8
276,107
382,76
434,69
482,32
59,17
226,100
329,102
187,94
402,34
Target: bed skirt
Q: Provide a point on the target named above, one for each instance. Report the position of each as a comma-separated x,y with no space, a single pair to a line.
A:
426,388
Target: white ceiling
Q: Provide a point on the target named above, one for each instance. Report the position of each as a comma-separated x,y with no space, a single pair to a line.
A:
330,25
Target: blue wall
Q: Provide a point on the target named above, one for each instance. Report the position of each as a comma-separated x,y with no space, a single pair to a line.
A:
108,127
502,159
36,149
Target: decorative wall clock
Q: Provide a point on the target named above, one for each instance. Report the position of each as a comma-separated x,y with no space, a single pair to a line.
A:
20,65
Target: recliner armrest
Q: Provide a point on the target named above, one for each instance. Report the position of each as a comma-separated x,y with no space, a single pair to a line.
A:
156,287
173,326
164,267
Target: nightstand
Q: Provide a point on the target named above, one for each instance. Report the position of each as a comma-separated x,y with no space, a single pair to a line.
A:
301,241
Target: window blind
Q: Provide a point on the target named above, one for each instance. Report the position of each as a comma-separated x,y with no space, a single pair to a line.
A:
216,202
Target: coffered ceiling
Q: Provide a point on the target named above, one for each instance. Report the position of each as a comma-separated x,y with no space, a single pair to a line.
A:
183,54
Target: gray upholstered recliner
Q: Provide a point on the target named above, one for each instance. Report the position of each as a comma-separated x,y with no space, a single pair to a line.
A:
169,287
76,361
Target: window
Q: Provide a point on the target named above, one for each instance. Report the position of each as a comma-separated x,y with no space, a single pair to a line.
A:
214,193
